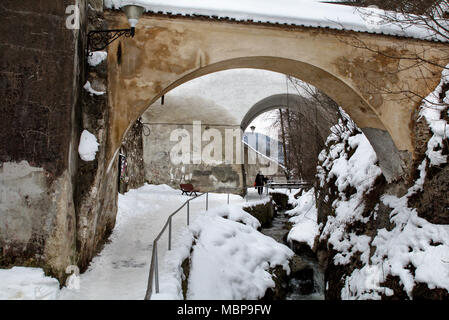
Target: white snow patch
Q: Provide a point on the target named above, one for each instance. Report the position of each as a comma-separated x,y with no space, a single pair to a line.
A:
88,88
305,228
97,57
88,146
431,110
231,260
22,283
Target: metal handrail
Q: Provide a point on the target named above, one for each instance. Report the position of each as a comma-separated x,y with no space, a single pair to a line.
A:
154,272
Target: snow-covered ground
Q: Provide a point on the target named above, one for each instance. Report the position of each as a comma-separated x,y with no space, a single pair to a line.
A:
21,283
226,235
121,270
230,259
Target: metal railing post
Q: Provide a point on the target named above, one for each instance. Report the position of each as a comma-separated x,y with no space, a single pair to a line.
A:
169,234
150,277
156,271
188,212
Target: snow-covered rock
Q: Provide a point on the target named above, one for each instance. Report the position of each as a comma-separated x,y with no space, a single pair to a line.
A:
410,250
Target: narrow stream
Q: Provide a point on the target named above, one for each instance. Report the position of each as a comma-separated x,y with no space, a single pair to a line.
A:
306,278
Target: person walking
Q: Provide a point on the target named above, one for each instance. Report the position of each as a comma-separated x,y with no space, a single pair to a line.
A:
259,182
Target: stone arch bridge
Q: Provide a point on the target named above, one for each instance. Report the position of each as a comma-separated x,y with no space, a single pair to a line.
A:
168,51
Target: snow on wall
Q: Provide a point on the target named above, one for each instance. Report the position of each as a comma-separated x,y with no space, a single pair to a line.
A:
290,12
88,88
96,58
88,146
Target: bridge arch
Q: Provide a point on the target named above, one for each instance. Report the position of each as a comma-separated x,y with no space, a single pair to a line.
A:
315,123
306,107
168,51
343,94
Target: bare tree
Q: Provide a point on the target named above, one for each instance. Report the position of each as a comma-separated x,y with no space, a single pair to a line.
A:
430,17
405,6
302,138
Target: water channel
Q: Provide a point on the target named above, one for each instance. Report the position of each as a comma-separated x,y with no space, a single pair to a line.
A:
306,279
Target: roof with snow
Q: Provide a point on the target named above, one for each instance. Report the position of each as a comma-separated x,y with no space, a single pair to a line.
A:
305,13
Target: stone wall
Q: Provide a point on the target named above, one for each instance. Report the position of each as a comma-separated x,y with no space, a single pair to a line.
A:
160,169
41,69
56,210
97,180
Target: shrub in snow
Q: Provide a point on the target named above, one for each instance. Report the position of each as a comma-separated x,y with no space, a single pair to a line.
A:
88,146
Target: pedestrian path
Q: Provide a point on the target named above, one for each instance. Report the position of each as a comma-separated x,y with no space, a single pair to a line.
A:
121,269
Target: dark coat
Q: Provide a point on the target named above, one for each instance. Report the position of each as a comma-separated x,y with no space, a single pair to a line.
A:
260,180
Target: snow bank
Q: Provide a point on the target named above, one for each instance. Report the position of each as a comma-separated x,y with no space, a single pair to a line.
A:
88,146
230,260
171,276
21,283
305,217
291,12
